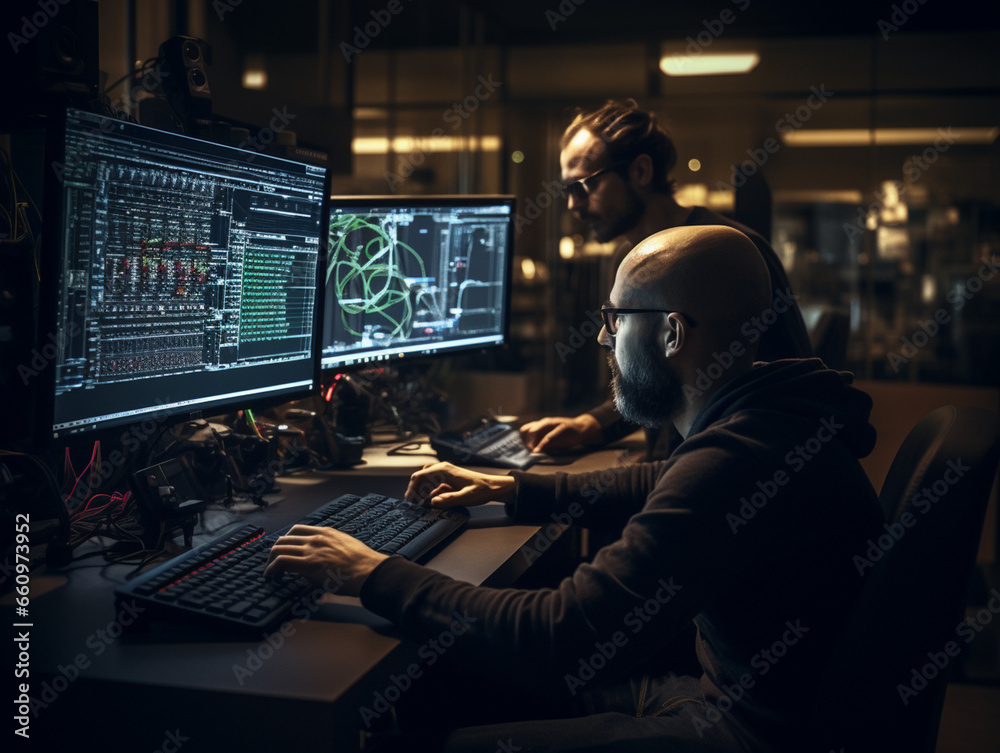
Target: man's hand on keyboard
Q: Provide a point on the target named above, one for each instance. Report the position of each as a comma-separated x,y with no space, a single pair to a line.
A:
324,556
444,485
551,434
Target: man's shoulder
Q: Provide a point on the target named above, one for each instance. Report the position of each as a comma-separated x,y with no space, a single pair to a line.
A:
744,422
716,465
745,436
705,216
754,434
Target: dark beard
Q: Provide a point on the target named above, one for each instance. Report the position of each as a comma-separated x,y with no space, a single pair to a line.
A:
648,396
624,223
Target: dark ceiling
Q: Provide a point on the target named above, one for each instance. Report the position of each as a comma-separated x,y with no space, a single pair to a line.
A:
449,23
531,22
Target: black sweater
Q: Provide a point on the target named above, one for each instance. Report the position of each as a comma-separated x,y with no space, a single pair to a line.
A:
748,529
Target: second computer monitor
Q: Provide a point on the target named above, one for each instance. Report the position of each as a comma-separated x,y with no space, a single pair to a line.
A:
410,276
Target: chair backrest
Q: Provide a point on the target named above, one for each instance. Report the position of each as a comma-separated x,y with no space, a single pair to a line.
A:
885,686
830,334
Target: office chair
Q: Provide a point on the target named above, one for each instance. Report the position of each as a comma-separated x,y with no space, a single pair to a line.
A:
895,644
829,332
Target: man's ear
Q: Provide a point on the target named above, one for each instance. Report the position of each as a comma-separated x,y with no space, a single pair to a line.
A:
673,334
641,170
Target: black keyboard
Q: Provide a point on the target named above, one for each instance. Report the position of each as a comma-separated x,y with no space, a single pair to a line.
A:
484,442
222,581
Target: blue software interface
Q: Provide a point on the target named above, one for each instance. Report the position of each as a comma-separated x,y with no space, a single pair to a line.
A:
410,276
188,274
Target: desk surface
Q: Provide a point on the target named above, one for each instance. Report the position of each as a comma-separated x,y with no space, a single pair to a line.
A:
177,677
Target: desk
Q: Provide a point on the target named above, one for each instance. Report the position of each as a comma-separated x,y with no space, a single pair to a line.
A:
299,688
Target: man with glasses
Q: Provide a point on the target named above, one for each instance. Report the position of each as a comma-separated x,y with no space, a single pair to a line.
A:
735,533
615,165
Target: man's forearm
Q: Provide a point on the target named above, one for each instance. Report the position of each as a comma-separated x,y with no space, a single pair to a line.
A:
597,499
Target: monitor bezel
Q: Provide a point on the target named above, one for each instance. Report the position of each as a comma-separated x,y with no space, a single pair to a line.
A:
424,200
50,264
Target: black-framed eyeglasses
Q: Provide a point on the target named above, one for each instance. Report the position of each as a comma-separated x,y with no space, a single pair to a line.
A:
581,187
612,316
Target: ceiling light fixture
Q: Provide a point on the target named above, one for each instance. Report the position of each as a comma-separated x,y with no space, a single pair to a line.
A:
427,144
889,136
708,63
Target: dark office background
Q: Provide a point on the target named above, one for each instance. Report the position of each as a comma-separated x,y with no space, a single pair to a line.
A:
883,241
893,248
470,97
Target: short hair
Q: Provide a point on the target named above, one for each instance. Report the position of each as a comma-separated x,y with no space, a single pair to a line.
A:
627,132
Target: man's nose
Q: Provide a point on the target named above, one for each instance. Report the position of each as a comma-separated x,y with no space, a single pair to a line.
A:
574,202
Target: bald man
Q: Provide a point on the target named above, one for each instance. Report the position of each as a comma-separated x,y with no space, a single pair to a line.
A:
748,531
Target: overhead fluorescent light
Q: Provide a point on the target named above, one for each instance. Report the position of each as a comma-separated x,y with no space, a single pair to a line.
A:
888,136
428,144
708,64
818,196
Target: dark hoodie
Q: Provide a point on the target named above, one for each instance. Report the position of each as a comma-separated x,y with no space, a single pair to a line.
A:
748,529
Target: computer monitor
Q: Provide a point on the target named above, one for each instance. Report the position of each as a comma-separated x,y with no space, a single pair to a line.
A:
186,276
411,276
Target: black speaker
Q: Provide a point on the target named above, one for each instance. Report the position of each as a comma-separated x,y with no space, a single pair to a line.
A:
51,55
185,80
